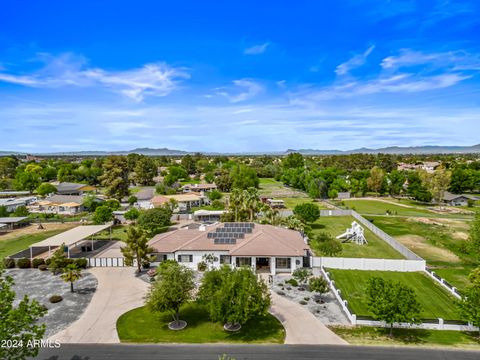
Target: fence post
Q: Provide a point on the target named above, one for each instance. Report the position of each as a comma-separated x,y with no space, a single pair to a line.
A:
354,319
440,324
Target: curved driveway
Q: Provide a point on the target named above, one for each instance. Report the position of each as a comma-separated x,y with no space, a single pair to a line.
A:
118,291
301,326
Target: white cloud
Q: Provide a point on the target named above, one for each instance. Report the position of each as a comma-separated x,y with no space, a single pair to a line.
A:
155,79
256,49
354,62
248,87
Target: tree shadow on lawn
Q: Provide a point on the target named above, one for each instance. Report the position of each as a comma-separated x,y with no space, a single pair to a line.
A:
317,226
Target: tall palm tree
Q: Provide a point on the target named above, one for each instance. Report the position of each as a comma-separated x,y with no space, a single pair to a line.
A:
236,201
70,274
252,201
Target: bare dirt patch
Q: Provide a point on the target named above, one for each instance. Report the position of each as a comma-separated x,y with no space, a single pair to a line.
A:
419,245
427,221
33,229
459,235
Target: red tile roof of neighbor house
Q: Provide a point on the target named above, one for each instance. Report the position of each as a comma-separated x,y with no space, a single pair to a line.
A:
265,240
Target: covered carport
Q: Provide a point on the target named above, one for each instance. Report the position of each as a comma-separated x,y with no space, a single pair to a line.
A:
71,238
11,223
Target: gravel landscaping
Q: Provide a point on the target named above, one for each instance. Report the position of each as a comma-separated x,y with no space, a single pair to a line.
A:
41,285
329,312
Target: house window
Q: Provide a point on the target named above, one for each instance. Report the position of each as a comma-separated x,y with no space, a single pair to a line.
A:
283,263
225,259
160,257
185,258
244,261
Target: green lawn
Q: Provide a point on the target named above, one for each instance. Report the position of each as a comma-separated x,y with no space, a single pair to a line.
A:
374,207
365,335
435,301
119,232
336,225
456,276
141,326
13,245
290,203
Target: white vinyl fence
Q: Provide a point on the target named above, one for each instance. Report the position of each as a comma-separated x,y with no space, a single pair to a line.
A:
451,289
369,264
435,324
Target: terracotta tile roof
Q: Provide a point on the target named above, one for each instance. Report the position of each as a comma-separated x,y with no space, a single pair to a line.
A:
265,240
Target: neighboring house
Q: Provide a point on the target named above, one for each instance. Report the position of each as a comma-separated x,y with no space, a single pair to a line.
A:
208,215
198,188
11,204
185,201
144,198
119,217
457,199
265,248
67,188
428,166
60,204
343,195
275,203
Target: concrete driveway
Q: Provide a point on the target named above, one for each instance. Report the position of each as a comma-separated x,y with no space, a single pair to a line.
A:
118,291
301,326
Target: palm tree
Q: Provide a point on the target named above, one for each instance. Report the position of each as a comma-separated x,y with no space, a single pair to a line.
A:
293,223
251,201
70,274
271,215
236,202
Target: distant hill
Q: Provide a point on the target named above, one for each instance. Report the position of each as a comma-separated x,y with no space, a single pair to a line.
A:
429,149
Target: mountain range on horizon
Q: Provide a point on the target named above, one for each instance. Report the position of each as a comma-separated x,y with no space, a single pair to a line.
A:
427,149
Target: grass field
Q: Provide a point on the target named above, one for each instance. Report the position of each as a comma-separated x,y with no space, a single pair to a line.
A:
11,246
374,207
290,203
336,225
142,326
436,302
365,335
119,232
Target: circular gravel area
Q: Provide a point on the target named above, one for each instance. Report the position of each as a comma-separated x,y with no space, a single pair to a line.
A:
40,285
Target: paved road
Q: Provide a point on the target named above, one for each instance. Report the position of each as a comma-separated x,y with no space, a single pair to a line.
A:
118,291
247,352
301,326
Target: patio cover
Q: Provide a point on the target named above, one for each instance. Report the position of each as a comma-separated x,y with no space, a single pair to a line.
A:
72,236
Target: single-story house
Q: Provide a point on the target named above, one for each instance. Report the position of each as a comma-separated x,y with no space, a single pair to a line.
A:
185,201
67,188
11,194
14,222
198,188
60,204
144,198
343,195
11,204
208,215
457,199
265,248
275,203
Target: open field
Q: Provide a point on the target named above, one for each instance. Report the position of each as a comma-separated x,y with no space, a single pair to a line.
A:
11,244
436,302
290,203
276,189
336,225
365,335
379,207
142,326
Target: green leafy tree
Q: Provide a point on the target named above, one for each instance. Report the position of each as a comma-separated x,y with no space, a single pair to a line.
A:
4,212
173,289
224,182
318,285
136,247
293,160
132,214
145,170
396,181
392,302
132,200
234,296
327,245
102,215
113,204
90,202
474,235
154,220
21,211
376,179
71,273
58,260
474,276
470,305
8,166
307,212
45,189
189,164
115,176
19,323
244,177
214,195
301,275
27,180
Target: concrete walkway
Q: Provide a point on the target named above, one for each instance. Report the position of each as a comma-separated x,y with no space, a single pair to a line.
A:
301,326
118,291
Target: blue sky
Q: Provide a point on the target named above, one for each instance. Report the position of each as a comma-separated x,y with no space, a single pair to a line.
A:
238,75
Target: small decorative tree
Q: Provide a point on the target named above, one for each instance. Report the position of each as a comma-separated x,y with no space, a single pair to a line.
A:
307,212
70,274
173,289
136,247
318,285
209,260
58,260
392,302
302,275
19,323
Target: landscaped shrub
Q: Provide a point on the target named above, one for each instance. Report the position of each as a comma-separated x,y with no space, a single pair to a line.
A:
9,263
303,302
202,266
289,288
281,293
23,263
37,262
42,267
292,282
306,298
280,284
81,263
55,299
48,261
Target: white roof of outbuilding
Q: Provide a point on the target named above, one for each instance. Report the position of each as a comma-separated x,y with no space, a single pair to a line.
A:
72,236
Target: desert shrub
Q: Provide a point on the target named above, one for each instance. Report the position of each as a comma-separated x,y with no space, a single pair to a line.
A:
202,266
303,302
23,263
81,263
280,284
292,282
37,262
9,263
281,293
55,299
42,267
306,298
